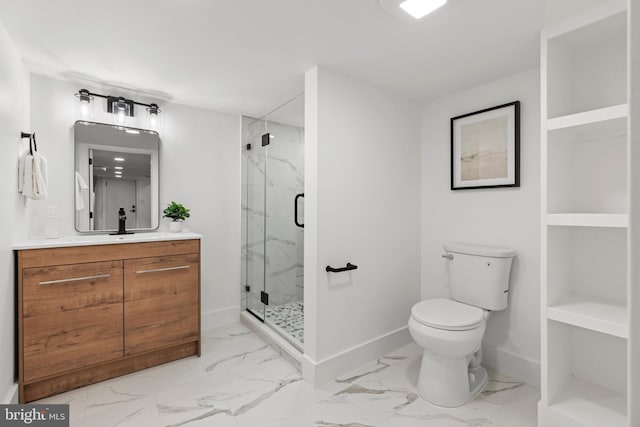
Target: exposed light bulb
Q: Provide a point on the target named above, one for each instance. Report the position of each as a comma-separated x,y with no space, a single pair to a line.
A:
120,116
153,117
84,106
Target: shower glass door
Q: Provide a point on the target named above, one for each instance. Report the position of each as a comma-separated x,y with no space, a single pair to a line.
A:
273,222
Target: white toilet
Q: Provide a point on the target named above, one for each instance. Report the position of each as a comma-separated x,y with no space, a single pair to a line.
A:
450,330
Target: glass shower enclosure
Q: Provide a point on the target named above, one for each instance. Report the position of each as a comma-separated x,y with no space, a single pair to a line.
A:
273,223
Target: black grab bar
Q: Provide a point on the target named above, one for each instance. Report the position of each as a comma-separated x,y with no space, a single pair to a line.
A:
349,267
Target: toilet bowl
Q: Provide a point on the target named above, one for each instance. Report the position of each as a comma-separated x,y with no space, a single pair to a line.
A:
450,373
450,330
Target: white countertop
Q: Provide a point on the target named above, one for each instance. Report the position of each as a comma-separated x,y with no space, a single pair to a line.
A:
103,239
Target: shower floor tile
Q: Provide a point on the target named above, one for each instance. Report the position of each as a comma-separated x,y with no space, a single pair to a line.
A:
288,319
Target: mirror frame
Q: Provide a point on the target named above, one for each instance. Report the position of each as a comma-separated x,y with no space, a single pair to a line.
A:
154,174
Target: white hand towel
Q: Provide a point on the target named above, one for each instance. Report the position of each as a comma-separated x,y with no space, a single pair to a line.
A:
81,186
27,176
21,162
39,176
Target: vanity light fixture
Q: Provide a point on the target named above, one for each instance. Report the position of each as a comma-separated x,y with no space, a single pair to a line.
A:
121,107
411,10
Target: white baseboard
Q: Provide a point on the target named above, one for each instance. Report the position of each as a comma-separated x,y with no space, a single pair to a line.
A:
11,395
224,316
512,364
327,370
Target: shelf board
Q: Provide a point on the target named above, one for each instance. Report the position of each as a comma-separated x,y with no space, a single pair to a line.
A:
592,313
588,220
591,404
593,117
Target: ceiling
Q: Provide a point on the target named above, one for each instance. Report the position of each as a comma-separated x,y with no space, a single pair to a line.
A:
134,166
248,56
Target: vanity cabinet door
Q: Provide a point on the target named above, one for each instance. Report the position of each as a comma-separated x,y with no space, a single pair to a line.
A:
72,317
161,302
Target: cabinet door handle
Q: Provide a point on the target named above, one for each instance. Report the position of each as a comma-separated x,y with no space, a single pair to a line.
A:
157,270
75,279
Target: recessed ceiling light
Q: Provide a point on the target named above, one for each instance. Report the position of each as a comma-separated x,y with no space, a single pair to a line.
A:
118,172
118,176
410,10
118,159
421,8
132,131
118,167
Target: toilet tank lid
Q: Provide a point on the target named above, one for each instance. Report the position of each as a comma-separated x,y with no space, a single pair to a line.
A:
480,250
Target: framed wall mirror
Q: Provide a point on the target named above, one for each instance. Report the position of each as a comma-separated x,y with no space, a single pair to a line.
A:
115,166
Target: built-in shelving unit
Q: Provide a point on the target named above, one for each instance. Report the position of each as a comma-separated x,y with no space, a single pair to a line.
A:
585,256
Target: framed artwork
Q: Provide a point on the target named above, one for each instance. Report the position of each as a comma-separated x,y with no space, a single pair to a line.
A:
485,148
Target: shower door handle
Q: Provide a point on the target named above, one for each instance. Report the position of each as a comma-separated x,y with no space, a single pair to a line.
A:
295,210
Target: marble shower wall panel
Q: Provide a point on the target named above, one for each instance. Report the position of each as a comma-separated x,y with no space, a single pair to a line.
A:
282,160
285,180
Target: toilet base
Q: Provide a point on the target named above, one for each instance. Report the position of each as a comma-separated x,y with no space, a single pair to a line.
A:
448,381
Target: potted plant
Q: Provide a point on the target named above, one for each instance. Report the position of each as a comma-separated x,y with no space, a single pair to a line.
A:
178,214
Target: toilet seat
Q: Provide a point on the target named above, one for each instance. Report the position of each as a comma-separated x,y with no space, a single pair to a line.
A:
449,315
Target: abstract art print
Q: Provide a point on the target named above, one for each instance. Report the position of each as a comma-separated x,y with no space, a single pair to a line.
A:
485,148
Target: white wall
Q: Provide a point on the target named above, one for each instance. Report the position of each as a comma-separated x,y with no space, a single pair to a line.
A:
504,217
200,163
362,190
199,167
13,120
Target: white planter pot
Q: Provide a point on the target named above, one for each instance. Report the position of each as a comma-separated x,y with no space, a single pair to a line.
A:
175,226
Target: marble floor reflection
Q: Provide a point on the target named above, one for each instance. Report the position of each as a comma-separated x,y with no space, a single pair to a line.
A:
240,381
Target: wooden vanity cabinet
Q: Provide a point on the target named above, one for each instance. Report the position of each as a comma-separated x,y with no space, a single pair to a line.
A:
160,302
72,317
89,313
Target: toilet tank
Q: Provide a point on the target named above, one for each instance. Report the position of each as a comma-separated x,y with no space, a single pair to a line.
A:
479,275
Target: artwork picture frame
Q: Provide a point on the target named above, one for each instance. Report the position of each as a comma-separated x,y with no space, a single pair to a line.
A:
485,148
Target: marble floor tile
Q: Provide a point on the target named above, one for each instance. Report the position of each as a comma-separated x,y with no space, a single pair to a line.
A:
76,399
240,381
521,410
